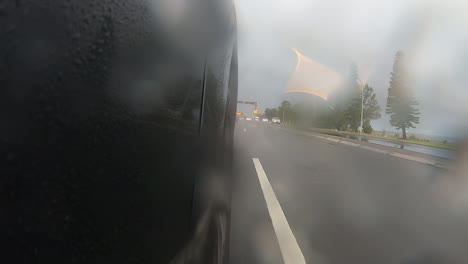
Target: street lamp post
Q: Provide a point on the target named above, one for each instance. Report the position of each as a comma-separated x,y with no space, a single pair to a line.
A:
362,105
283,114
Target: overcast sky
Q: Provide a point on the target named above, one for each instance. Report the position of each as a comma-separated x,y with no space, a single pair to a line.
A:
433,34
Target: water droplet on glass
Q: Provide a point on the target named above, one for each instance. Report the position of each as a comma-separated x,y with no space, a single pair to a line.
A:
11,28
10,157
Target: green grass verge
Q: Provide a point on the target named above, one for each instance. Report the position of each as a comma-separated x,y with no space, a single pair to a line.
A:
419,142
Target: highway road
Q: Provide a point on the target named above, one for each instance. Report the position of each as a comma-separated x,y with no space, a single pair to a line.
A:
300,199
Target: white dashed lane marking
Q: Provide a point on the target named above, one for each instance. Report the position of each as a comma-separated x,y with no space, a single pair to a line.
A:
290,250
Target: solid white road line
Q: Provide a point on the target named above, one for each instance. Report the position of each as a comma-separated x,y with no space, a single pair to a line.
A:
290,250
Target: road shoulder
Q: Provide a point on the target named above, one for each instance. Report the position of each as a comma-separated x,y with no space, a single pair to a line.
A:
398,153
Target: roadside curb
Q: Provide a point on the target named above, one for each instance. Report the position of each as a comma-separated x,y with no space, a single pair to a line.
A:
421,160
394,141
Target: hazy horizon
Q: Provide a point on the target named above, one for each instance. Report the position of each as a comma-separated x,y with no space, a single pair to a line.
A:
337,33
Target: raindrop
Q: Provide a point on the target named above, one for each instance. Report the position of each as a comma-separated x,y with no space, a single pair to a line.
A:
3,8
10,157
11,28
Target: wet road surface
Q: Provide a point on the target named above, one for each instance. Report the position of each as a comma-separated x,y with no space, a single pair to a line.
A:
342,204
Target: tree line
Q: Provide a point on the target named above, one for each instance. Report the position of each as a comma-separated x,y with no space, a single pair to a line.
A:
342,110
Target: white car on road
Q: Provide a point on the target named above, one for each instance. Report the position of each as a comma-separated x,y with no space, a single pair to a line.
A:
265,119
248,119
276,120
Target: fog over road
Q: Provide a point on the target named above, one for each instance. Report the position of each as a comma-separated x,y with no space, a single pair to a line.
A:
343,204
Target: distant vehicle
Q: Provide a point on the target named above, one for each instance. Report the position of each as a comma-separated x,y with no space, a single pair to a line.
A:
248,119
257,118
241,118
276,120
265,119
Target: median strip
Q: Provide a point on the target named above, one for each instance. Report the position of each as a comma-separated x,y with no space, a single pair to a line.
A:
385,152
442,165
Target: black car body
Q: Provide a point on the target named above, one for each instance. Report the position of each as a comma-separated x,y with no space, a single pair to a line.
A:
116,123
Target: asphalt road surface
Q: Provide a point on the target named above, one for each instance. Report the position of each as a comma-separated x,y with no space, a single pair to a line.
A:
300,199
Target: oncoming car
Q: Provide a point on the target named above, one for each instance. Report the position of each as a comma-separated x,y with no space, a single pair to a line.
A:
265,119
276,120
117,119
248,119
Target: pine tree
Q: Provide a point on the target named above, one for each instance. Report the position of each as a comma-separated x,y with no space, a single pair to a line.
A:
353,113
401,105
351,87
371,108
347,102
